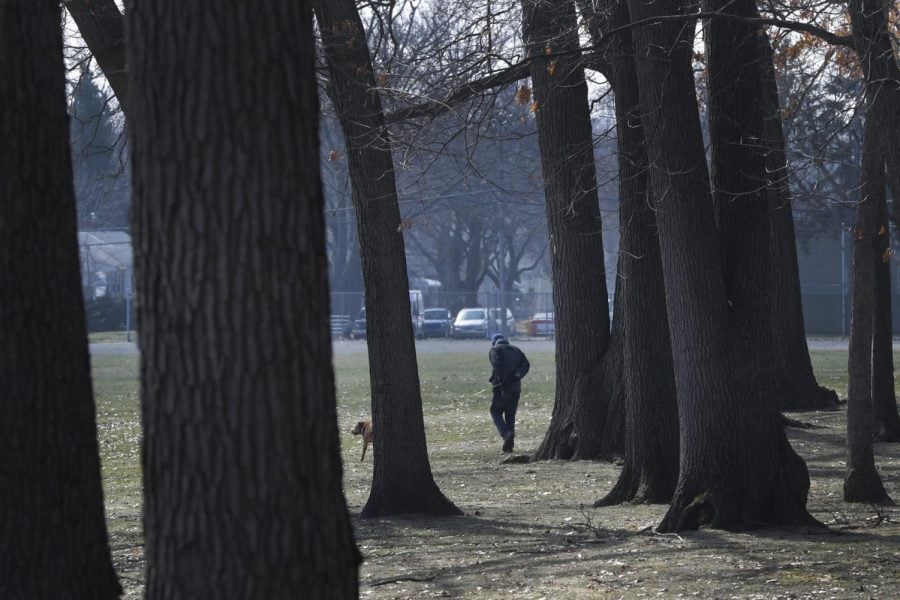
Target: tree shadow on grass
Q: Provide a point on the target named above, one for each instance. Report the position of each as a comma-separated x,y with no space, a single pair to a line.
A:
483,551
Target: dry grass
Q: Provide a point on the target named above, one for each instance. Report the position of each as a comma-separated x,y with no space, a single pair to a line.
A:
525,533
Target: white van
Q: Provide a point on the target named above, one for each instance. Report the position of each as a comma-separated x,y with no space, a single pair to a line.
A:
417,311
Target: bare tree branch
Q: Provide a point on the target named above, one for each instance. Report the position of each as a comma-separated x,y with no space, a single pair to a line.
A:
592,60
102,27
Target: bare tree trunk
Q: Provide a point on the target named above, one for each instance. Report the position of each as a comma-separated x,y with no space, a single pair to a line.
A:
651,430
102,27
796,386
863,483
869,24
740,185
596,421
401,481
872,39
52,525
734,470
694,280
575,230
886,425
242,467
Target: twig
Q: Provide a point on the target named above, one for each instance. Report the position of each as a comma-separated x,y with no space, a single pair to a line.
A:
400,578
649,529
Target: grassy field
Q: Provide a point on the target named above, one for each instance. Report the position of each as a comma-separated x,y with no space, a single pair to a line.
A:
525,533
831,370
112,336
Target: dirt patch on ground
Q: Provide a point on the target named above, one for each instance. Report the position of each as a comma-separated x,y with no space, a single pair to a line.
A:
528,534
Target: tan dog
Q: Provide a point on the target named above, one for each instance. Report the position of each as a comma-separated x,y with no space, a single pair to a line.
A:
364,428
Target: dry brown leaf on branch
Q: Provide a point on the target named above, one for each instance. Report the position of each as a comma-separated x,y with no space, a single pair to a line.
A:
533,107
886,257
523,95
551,68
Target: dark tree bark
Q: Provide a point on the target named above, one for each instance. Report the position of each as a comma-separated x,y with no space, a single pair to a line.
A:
242,467
740,183
402,481
869,26
52,525
575,231
651,428
597,417
863,483
796,386
102,27
736,468
882,75
886,424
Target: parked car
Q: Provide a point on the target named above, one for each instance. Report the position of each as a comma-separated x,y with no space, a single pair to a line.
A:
542,323
470,322
510,322
358,331
436,322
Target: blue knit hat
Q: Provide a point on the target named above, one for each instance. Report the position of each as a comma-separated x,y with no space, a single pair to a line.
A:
496,338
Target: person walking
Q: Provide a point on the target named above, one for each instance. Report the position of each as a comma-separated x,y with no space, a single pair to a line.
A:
508,366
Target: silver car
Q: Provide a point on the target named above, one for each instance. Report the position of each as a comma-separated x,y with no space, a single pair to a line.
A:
470,322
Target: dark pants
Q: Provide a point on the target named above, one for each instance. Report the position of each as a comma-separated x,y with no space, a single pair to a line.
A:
503,410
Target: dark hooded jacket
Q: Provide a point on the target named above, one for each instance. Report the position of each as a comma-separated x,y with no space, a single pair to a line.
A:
509,366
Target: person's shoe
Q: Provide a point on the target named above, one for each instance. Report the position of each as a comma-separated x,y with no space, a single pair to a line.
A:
508,440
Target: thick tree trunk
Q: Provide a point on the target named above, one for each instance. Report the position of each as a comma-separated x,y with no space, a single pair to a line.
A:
695,292
597,418
102,28
863,483
740,182
886,425
646,386
402,481
52,526
869,23
242,467
651,432
575,230
796,386
734,468
873,43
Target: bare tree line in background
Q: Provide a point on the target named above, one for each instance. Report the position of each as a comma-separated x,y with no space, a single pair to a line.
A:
228,221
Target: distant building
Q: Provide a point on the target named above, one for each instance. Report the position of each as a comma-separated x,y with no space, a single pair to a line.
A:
107,268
